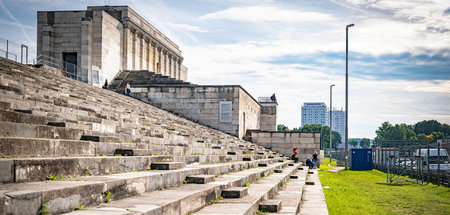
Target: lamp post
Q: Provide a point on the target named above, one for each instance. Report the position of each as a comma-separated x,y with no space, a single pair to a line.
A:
331,116
346,94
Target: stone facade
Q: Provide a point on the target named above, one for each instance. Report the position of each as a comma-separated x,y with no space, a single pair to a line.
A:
283,142
103,40
203,104
268,116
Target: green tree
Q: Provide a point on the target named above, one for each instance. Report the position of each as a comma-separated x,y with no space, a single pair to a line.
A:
353,143
427,127
281,127
364,143
311,128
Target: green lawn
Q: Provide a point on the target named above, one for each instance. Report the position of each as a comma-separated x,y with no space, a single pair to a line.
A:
366,192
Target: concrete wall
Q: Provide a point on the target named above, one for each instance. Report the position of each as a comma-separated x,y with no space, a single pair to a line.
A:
112,34
60,32
201,103
268,116
284,142
249,113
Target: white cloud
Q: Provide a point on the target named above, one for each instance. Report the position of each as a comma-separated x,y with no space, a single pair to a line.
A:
267,14
186,27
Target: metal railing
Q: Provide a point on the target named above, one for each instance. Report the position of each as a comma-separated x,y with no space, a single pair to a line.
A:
405,161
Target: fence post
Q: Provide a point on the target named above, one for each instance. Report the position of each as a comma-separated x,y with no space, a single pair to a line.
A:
439,164
7,49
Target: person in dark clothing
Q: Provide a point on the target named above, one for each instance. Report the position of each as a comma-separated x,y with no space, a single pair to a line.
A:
295,156
309,163
273,98
128,89
315,159
105,86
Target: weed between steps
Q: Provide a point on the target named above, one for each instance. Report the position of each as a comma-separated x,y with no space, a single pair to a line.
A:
43,208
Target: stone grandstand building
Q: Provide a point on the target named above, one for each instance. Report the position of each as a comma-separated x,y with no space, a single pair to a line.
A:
95,44
117,44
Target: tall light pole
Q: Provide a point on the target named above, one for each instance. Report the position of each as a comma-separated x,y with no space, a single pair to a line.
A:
331,116
346,94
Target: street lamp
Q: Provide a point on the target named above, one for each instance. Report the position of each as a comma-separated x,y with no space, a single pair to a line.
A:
346,94
331,116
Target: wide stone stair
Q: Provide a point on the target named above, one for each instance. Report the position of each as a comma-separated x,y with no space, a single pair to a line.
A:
68,147
141,78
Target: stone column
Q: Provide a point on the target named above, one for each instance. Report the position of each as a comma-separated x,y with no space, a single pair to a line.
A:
133,49
141,51
127,45
159,61
169,65
148,54
85,64
164,63
179,69
174,67
154,57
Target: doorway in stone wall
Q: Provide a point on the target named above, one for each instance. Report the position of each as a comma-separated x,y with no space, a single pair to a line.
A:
70,64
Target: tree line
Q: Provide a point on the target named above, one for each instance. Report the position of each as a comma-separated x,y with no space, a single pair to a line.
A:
426,131
335,136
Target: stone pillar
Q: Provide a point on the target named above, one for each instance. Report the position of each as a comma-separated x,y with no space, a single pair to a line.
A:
159,61
179,69
133,49
127,44
148,54
153,57
169,65
174,67
164,60
85,64
141,51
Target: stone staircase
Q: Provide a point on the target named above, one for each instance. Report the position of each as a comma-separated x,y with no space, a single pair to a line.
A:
68,147
141,78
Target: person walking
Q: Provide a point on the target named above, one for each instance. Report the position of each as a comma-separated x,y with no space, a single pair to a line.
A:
128,89
315,155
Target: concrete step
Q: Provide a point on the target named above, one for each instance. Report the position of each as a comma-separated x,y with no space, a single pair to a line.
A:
20,170
62,196
11,129
260,190
272,206
200,179
313,198
33,147
234,192
168,165
290,194
183,199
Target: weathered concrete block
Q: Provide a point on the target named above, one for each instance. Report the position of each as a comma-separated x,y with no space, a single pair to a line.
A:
168,165
6,171
200,179
235,192
309,182
272,206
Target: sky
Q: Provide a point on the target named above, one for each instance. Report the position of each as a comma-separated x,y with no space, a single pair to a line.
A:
399,51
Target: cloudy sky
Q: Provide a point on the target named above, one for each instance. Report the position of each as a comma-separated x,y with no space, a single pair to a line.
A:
399,58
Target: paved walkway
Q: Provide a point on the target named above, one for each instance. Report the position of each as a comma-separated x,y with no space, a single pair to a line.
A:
313,199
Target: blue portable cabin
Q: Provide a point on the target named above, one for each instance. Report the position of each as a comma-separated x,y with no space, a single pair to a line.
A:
361,159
